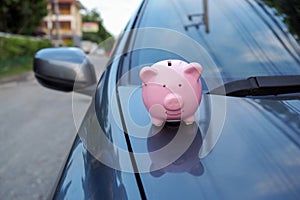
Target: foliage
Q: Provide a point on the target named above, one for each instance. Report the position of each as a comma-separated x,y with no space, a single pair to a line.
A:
15,65
102,34
69,43
290,11
11,47
16,53
21,16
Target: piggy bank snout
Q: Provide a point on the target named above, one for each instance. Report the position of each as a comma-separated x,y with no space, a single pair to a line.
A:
173,102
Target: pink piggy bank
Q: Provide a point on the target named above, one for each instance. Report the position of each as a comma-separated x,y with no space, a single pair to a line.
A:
171,90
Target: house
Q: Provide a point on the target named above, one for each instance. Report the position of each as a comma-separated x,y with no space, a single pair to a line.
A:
63,24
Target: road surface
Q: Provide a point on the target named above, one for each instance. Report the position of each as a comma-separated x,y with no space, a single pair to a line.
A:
36,132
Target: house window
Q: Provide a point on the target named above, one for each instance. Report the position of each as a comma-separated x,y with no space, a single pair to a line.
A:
65,25
65,9
44,24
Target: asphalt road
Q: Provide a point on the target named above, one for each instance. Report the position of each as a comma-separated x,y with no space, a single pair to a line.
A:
36,132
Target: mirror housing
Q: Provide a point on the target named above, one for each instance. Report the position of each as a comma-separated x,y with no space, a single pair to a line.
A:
65,69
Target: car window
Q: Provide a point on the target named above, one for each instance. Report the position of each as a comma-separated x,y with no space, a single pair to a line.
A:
239,39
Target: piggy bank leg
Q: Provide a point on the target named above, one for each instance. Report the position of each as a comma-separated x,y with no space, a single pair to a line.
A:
189,120
158,115
157,122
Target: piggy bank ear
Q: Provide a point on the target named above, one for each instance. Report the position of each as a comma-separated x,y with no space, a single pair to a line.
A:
147,73
193,69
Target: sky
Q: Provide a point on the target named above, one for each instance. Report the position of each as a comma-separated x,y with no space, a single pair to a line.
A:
115,13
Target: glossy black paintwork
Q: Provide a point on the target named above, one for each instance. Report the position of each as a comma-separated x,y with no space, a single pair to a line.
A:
84,176
257,155
189,162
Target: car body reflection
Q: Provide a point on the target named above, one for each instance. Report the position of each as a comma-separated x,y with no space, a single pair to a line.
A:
188,162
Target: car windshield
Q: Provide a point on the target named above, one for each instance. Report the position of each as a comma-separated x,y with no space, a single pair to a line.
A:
236,39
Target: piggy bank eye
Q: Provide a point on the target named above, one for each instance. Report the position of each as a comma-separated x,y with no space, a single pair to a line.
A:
164,85
179,85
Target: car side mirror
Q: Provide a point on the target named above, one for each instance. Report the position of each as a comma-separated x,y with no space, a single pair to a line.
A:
65,69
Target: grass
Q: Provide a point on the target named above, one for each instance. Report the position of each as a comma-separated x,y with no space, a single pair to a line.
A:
15,66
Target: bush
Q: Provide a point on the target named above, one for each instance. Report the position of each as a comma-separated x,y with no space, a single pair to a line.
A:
16,53
13,47
15,65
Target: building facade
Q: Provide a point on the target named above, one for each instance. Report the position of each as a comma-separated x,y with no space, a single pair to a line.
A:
63,24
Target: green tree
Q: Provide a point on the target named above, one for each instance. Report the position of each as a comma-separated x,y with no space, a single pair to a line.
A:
21,16
102,34
290,11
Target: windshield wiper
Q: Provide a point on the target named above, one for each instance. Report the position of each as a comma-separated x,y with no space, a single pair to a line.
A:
260,86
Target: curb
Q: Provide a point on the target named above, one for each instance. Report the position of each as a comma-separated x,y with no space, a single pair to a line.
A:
17,78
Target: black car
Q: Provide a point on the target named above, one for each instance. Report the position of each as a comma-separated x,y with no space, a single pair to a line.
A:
245,143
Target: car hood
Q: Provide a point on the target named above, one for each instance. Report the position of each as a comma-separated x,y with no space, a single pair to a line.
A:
240,148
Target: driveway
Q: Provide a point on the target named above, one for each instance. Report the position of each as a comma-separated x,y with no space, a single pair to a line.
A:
36,132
